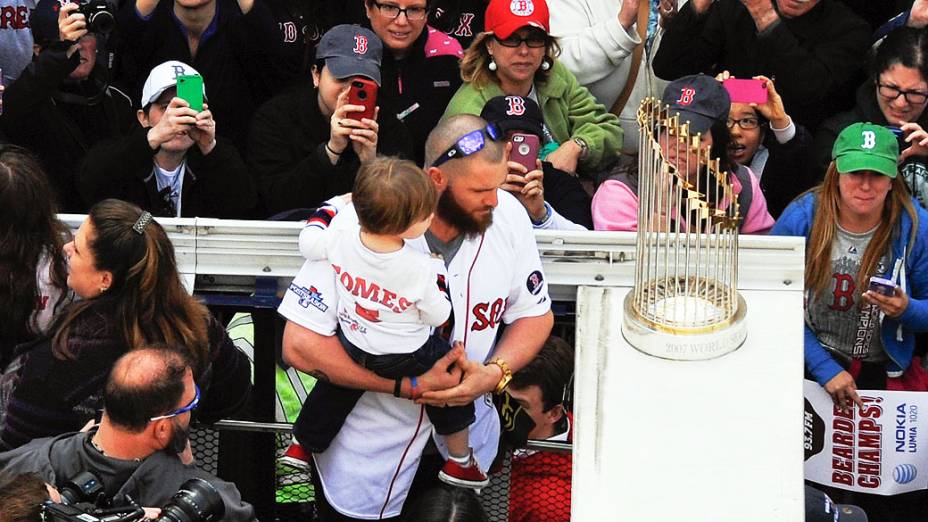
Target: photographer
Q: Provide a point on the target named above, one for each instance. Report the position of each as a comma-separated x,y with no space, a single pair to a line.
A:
172,165
137,449
62,103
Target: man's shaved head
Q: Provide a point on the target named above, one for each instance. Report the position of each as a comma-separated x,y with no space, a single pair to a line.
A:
449,130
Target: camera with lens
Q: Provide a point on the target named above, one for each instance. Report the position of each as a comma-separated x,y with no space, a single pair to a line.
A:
84,501
99,14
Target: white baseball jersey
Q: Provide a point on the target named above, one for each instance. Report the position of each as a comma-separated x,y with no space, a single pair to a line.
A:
386,301
493,279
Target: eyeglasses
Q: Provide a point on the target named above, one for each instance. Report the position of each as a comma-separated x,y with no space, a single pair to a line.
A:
745,123
190,407
535,40
891,92
393,11
470,143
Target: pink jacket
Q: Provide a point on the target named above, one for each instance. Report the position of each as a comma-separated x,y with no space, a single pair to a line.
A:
615,207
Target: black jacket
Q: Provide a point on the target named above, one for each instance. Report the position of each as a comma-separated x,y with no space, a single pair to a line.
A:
566,195
287,154
815,59
419,86
785,174
914,170
236,57
215,185
61,126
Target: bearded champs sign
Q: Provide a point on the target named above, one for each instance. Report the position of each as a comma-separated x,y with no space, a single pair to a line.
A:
880,448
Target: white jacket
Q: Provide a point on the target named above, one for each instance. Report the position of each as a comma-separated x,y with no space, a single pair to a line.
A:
599,52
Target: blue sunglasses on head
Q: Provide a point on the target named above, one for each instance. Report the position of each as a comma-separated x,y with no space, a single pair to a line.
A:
470,143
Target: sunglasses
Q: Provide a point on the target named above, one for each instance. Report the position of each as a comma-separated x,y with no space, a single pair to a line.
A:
190,407
470,143
535,39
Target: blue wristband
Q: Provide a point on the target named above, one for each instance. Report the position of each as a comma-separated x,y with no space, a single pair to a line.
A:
413,382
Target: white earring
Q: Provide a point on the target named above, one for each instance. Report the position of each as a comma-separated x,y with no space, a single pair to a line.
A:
545,65
492,65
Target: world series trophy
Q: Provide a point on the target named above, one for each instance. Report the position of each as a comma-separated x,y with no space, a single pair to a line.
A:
684,304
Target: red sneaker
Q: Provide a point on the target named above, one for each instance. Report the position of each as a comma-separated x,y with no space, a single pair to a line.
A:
468,476
295,457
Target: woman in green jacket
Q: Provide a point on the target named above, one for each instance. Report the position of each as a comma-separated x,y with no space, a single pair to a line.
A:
516,56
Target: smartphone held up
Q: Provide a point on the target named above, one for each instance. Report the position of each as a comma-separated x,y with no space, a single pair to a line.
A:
525,150
746,91
363,92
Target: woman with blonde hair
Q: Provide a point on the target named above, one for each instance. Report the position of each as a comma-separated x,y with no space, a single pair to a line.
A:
861,223
121,263
517,57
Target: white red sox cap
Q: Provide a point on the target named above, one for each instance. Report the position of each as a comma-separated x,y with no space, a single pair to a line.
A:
162,78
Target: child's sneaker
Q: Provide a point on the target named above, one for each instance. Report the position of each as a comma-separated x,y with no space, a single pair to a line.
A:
463,475
295,457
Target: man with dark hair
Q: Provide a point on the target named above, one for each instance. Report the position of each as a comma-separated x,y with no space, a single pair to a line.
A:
136,450
554,199
494,276
537,409
172,164
235,44
62,103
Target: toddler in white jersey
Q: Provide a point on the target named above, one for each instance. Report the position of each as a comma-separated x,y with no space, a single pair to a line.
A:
390,298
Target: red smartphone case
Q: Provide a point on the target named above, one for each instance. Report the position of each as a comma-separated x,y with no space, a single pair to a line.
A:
746,91
362,91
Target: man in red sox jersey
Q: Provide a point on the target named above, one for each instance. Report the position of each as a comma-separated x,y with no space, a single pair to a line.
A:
494,277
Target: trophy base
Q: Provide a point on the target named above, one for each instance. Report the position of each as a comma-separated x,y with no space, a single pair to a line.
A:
718,334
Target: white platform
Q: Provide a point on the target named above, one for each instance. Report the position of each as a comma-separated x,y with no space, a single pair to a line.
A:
715,441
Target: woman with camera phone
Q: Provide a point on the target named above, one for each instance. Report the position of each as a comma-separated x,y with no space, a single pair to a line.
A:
307,144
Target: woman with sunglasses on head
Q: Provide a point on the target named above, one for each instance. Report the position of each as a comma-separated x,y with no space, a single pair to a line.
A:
766,139
517,57
122,266
895,96
859,223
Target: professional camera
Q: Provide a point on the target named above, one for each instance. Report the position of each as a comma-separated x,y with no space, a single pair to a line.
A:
196,501
99,14
84,487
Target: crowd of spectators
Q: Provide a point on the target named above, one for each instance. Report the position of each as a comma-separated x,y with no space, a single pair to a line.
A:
298,103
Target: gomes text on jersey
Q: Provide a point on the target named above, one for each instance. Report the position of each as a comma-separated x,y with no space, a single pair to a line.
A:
309,296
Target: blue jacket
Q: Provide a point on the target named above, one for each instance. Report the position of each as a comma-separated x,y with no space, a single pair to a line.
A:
897,334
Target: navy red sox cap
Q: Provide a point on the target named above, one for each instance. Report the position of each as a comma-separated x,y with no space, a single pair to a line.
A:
351,50
698,99
820,508
514,113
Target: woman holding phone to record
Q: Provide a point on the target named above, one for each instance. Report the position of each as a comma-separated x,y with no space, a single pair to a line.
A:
895,96
306,144
859,223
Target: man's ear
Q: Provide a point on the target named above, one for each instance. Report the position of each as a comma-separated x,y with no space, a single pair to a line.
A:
162,431
438,177
555,414
142,117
